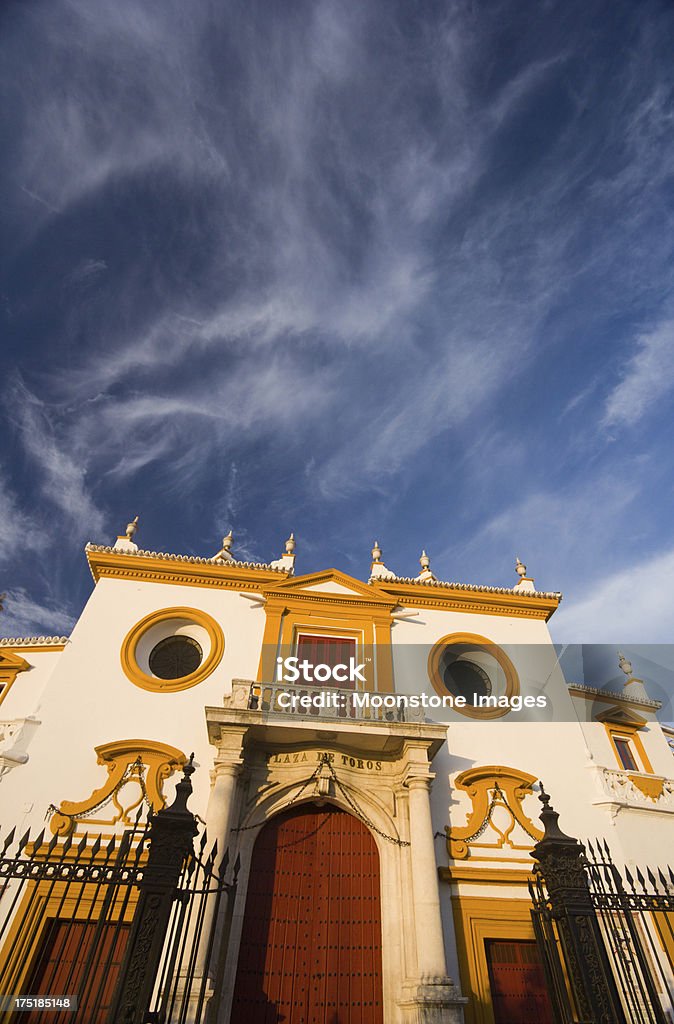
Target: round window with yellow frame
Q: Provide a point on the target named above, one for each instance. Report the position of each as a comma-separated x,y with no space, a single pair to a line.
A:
471,666
172,649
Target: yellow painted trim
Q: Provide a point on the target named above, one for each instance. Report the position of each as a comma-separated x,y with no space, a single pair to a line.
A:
478,783
161,761
651,788
132,669
512,679
479,602
486,876
10,666
476,919
629,732
151,569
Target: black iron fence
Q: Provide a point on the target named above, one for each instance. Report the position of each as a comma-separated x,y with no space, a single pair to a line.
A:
607,941
124,931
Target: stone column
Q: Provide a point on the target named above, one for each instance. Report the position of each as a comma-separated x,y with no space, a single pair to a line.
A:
427,919
433,999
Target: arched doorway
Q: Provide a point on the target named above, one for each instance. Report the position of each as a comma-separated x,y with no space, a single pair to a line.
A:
310,948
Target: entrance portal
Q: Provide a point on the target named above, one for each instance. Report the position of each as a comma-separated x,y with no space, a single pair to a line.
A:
311,941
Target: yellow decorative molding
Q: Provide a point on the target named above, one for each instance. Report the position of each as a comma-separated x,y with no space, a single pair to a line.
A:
488,647
135,673
652,788
10,666
482,602
169,569
477,919
292,608
489,787
143,765
486,876
629,731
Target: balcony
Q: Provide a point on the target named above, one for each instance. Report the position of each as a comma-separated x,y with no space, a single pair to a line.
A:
618,789
309,702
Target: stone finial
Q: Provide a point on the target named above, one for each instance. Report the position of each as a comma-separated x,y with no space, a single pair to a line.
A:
632,688
376,552
624,664
378,571
520,567
524,582
125,541
131,529
225,553
425,564
286,563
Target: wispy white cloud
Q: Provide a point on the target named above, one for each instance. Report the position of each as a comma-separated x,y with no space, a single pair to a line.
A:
647,377
19,531
627,606
23,616
61,477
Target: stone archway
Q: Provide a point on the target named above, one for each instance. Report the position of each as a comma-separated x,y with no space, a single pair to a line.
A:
310,950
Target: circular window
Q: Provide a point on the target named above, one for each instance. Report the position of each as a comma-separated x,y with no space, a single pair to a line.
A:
175,657
471,666
463,678
172,649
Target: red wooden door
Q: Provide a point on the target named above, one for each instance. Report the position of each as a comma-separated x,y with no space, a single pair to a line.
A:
60,969
311,943
518,989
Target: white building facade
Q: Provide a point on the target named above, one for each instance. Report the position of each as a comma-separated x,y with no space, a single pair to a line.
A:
403,828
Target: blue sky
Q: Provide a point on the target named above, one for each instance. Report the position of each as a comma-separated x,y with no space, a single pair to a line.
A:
357,270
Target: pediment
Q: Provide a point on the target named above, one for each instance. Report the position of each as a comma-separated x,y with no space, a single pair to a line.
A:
619,716
12,662
330,582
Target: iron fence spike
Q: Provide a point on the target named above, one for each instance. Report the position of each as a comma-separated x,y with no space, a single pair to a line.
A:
23,841
52,843
671,874
591,848
82,845
642,880
629,877
651,878
110,848
67,844
663,880
38,841
96,846
9,840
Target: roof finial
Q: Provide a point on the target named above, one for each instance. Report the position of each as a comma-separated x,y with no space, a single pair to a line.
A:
625,664
378,571
520,567
424,561
524,582
286,563
131,529
225,553
376,552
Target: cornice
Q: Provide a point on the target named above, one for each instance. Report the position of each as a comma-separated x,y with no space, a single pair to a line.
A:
531,604
35,643
610,696
189,570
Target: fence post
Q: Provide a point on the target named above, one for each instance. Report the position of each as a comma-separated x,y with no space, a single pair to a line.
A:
561,863
171,833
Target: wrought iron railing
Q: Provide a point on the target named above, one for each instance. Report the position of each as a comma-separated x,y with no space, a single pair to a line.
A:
606,936
131,928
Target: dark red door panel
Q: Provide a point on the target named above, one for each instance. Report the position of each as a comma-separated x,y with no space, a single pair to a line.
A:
518,990
311,943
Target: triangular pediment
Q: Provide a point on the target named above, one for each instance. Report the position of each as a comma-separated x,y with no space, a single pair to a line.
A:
11,661
619,716
329,583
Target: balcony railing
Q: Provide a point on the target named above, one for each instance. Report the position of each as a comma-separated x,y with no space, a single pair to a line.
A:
635,789
309,702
